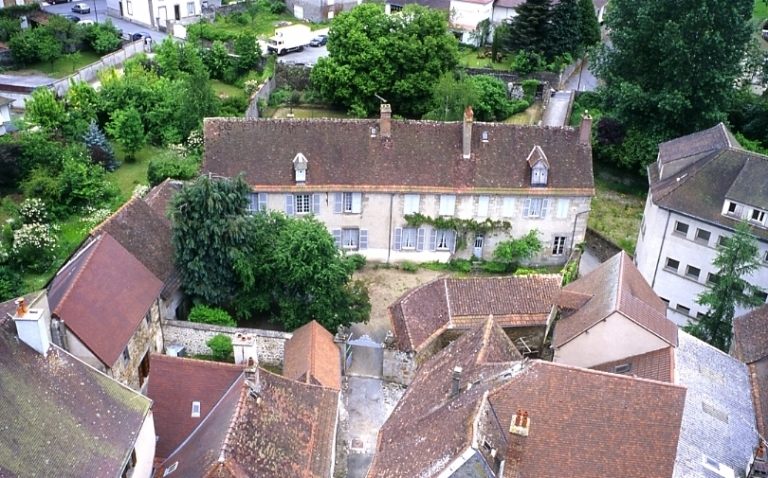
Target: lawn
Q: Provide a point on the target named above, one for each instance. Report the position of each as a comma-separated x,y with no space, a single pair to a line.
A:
262,24
468,59
223,90
64,66
307,112
759,15
617,208
530,116
129,175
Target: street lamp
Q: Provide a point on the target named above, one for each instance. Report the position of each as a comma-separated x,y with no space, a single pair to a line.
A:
95,12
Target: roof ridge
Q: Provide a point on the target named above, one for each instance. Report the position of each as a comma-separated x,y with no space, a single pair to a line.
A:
607,374
97,243
448,301
208,363
112,216
487,328
620,282
692,170
312,344
235,415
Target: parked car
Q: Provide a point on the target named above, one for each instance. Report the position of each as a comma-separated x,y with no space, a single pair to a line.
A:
86,23
319,40
71,18
81,8
56,2
140,35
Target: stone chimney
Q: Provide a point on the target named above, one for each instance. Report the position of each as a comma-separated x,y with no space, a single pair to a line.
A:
456,381
31,327
585,130
244,350
521,424
467,133
385,123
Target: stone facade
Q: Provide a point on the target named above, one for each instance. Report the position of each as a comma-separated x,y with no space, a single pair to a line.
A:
270,344
399,367
147,339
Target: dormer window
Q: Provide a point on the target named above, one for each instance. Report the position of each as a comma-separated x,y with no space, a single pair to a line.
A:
300,164
758,216
539,164
195,409
539,176
733,209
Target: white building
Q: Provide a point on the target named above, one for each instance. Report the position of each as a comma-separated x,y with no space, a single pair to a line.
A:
701,186
466,15
155,14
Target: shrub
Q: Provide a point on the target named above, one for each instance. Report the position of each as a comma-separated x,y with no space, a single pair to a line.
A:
234,106
34,246
103,38
8,28
221,347
211,315
33,211
495,267
409,266
10,284
460,265
357,261
171,166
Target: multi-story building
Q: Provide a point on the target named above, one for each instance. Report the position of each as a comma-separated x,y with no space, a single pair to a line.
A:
402,190
701,186
155,14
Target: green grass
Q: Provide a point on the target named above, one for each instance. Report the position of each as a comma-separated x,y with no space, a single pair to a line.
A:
307,112
468,58
64,66
129,175
530,116
263,24
224,90
759,15
617,208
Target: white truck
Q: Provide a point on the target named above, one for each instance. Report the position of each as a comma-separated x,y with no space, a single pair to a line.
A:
289,39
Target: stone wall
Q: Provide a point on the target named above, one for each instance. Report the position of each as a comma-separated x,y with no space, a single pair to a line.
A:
399,367
147,339
193,336
261,93
602,247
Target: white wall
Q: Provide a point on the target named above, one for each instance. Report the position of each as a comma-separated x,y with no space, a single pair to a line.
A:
467,15
139,11
501,13
145,448
615,338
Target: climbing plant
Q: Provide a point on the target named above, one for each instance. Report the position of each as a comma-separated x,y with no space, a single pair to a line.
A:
461,226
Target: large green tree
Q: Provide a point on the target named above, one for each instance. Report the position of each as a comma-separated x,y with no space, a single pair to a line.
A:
127,130
398,57
589,28
670,67
737,258
564,34
529,29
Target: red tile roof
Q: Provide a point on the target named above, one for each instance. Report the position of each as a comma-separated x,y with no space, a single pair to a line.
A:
103,295
174,383
159,197
513,301
615,286
657,365
311,356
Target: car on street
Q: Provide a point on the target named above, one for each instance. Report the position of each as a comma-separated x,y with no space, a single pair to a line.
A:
81,8
86,23
56,2
140,35
319,40
71,18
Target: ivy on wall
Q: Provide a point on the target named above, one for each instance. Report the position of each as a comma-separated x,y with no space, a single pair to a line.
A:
461,226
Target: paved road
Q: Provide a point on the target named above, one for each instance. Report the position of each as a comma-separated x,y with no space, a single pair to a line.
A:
582,80
99,9
556,113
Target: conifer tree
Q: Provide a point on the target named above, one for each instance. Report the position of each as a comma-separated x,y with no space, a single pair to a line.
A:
565,29
589,34
529,30
99,148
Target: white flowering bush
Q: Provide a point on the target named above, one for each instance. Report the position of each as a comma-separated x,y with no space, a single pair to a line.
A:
140,191
94,216
250,86
33,211
34,246
179,150
4,255
195,142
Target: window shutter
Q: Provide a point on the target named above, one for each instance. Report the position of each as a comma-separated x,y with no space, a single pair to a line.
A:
289,204
363,239
337,201
544,208
508,207
398,239
420,239
452,241
526,207
336,233
562,208
482,205
315,204
357,203
433,240
262,201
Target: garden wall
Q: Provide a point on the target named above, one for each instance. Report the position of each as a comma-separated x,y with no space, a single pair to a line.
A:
600,246
262,93
193,336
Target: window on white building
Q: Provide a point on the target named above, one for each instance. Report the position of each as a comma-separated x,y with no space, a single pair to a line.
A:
703,236
482,206
350,238
352,203
190,8
447,204
535,207
129,7
681,228
126,354
765,256
303,204
508,207
411,204
408,240
712,278
733,209
672,264
683,309
692,272
558,246
562,208
444,240
761,295
758,216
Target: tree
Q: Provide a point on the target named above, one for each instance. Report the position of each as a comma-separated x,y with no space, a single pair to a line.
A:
217,59
99,149
49,48
246,47
481,32
211,315
737,257
670,67
589,28
9,27
451,96
399,57
221,347
564,33
529,30
513,251
127,129
10,283
82,105
103,37
491,103
210,229
44,110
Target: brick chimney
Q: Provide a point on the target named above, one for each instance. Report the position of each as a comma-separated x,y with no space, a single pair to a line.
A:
585,130
467,133
521,424
385,123
31,327
244,350
456,381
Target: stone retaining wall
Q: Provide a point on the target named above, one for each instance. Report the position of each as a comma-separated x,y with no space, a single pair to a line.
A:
193,336
602,247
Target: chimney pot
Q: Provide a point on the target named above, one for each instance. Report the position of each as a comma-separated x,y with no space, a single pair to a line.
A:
585,130
31,326
385,123
521,424
21,307
456,381
467,133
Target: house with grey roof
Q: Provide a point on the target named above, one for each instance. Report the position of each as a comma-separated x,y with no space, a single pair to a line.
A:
701,186
60,416
364,178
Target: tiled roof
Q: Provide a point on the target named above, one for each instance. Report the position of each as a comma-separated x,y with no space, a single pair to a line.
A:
513,301
143,233
420,156
285,428
61,417
719,418
750,335
697,144
716,168
615,286
602,424
311,356
657,365
103,295
174,383
160,197
508,3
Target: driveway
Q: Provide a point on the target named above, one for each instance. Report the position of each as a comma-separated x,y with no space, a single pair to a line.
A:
582,79
99,14
556,113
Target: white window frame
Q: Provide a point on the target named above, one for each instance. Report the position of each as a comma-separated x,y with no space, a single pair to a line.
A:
411,203
760,216
351,203
447,204
765,256
539,175
679,232
689,275
483,204
558,245
171,468
350,239
563,206
669,267
299,200
190,8
331,14
411,233
681,306
195,409
738,209
443,242
702,240
129,7
535,207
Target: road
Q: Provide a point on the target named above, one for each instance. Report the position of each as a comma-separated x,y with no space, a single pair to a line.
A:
99,9
556,113
582,80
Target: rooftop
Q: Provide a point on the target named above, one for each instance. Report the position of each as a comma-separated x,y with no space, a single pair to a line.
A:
656,365
311,356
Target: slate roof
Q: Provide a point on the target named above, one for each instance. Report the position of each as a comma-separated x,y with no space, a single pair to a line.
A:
601,424
656,365
312,357
719,418
288,431
615,286
423,313
160,197
174,383
715,167
61,417
421,156
750,335
102,295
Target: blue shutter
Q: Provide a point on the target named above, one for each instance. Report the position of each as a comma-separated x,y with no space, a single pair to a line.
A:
452,241
544,208
420,239
526,207
262,201
433,240
363,239
289,204
398,239
337,198
336,233
315,204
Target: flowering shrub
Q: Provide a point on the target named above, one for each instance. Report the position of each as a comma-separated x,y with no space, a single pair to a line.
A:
140,191
34,246
195,142
94,216
33,211
250,86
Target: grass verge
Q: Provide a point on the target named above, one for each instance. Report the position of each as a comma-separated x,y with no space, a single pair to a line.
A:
617,208
64,66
